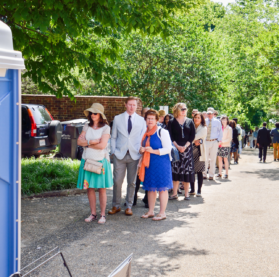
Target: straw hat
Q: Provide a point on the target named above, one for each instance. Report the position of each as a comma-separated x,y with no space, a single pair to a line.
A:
162,113
96,108
195,111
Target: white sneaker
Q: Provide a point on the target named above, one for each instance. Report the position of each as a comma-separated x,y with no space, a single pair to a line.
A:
102,220
198,195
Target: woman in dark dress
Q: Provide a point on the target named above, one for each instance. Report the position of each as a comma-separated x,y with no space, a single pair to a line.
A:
235,142
167,119
199,151
182,133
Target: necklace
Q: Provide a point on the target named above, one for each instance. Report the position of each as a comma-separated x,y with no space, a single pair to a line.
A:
95,127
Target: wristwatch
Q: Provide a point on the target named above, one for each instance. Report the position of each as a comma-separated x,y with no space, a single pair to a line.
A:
201,141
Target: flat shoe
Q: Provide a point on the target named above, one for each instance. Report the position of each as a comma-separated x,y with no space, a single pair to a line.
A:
186,198
159,217
146,215
174,197
192,193
91,218
102,220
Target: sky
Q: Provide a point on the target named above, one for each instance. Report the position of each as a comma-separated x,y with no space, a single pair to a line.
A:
224,2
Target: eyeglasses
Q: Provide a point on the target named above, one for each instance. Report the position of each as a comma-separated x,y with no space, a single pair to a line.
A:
183,109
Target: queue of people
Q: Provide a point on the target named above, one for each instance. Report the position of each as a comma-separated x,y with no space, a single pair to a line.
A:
163,152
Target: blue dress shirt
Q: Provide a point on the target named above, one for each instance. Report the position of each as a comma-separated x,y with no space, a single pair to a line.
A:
216,129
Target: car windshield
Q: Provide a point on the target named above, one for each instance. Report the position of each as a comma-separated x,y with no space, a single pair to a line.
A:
40,114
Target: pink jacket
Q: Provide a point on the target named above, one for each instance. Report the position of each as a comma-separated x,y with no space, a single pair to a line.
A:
227,137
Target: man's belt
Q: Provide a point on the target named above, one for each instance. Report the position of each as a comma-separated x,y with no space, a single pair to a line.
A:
211,139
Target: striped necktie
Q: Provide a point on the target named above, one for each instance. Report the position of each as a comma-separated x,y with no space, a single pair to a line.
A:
208,131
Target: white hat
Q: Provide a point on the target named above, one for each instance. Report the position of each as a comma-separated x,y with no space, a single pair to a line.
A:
210,110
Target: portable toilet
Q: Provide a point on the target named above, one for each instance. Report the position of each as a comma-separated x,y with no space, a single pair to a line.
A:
11,63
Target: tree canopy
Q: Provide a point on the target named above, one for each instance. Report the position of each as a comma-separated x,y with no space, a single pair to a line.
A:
57,37
201,53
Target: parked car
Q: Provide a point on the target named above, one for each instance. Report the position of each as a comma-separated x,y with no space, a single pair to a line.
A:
40,133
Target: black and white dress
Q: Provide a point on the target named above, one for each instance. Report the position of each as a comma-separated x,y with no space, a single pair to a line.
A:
183,170
199,165
223,152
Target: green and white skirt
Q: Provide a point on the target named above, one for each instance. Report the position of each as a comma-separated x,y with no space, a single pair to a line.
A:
87,179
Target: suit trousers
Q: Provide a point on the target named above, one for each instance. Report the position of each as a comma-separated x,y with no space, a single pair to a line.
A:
262,152
119,172
211,154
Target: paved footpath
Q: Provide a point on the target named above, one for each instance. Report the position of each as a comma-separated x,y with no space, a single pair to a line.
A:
233,230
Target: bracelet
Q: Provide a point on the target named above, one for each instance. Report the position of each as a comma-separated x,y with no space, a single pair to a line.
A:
88,142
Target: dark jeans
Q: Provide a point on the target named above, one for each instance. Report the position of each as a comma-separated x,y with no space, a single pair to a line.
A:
145,199
262,152
200,181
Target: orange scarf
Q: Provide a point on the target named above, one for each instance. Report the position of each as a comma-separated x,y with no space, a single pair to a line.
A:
146,155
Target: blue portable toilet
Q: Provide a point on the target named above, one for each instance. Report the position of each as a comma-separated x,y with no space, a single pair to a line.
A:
11,63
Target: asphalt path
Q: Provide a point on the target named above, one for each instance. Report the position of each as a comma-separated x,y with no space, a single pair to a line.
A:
232,230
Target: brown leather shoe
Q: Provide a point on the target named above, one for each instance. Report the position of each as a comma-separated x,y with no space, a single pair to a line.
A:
128,212
114,210
210,178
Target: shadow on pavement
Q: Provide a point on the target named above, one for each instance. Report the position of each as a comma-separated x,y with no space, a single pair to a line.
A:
95,250
271,174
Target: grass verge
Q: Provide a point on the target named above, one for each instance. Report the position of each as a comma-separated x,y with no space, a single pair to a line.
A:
40,175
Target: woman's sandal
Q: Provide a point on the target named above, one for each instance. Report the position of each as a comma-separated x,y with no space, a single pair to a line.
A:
219,175
91,218
173,197
226,176
159,217
146,215
102,220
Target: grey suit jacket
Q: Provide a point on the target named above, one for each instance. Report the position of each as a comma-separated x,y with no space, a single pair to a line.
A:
121,141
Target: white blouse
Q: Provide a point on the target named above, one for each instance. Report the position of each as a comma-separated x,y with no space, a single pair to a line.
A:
166,142
91,134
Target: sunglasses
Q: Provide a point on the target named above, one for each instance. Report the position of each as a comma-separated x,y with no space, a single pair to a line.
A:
183,109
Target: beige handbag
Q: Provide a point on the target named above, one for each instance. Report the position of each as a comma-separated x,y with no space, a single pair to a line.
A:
93,166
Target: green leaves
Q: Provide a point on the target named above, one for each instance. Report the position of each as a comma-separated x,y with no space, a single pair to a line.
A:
59,36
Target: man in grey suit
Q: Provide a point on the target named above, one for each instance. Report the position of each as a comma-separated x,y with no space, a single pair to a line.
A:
127,132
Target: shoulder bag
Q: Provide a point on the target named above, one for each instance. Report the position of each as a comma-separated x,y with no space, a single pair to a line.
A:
93,166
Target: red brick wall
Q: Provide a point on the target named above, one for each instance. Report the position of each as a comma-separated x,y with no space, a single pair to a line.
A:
64,109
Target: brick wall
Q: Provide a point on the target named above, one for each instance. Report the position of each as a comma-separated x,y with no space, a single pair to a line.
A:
64,109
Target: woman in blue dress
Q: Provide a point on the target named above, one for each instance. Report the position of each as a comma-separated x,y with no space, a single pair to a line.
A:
155,168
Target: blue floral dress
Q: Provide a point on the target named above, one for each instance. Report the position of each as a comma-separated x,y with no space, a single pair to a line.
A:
158,177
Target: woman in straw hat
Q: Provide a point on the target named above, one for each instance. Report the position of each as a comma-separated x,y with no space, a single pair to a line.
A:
155,168
94,138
